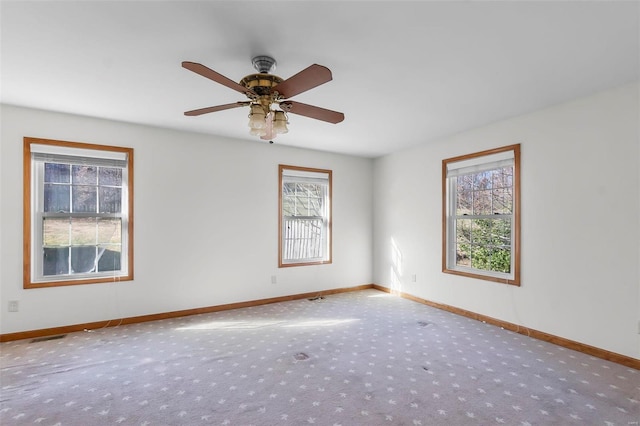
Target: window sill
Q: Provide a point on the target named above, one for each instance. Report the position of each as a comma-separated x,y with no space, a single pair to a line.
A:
502,280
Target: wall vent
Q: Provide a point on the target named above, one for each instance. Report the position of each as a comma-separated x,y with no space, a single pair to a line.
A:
46,338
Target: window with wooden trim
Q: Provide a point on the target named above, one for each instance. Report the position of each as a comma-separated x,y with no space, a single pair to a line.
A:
481,215
78,213
304,216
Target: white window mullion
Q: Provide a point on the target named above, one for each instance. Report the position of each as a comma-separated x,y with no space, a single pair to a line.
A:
451,221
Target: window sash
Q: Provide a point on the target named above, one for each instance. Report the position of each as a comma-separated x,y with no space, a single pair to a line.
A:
304,245
299,201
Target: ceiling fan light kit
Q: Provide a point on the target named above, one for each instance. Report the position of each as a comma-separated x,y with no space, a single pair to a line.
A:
257,117
280,122
268,96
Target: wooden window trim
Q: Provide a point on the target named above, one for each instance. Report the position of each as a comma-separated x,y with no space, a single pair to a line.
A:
516,215
329,260
26,215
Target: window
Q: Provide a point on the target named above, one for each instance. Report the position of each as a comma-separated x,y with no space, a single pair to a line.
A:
305,216
78,213
481,215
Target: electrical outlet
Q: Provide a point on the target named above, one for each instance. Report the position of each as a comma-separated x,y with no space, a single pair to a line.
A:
414,278
14,306
274,279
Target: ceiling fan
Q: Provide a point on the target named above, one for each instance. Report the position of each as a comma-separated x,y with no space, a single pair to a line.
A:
269,96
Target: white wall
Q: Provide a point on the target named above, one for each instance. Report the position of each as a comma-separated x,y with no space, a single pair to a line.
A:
580,222
206,223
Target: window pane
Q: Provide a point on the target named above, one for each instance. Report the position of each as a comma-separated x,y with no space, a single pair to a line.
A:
110,231
501,199
315,206
504,176
288,206
481,231
463,255
465,182
309,206
501,260
482,202
84,231
482,180
288,199
463,242
110,199
481,257
508,198
288,188
84,199
303,238
465,200
302,207
56,232
57,173
463,230
84,175
491,259
56,198
83,259
303,199
501,232
491,239
55,261
109,258
110,176
496,178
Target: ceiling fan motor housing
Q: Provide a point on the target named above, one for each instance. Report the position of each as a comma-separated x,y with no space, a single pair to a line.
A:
261,84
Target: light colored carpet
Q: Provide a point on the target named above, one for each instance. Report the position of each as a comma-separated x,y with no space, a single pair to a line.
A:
359,358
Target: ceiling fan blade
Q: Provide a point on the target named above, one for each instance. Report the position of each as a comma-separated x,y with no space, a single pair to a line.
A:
215,108
217,77
306,79
312,111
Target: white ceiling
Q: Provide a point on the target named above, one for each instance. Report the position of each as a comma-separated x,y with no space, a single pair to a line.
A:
404,73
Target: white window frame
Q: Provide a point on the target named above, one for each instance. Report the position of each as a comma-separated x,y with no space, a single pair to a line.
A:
37,152
452,168
296,174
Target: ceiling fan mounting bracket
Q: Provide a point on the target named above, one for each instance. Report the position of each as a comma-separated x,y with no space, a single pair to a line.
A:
264,64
